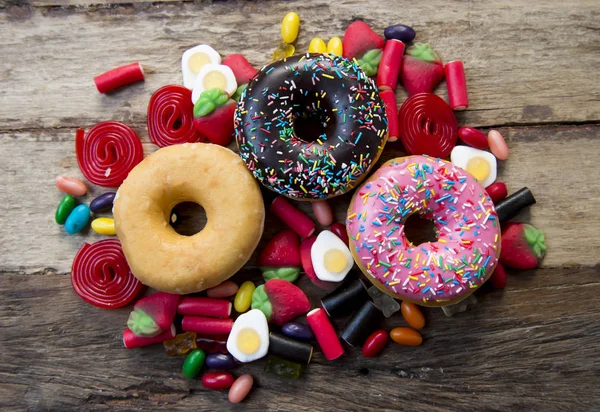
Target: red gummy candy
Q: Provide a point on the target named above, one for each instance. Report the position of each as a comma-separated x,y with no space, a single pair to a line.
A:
241,68
359,38
497,191
288,301
498,278
473,137
282,250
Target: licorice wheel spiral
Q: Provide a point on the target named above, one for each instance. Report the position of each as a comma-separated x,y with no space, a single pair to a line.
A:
101,276
108,152
171,117
427,125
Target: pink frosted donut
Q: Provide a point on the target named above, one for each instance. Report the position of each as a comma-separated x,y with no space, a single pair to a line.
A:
432,273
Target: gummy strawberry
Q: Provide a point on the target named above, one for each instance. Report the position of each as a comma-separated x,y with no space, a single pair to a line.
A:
280,259
359,38
523,246
307,265
213,116
153,314
288,301
422,69
241,68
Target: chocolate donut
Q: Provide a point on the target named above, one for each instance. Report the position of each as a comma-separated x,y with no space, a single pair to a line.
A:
310,126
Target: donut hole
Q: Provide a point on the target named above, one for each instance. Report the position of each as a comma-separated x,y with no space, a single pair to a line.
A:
312,118
187,218
428,126
418,229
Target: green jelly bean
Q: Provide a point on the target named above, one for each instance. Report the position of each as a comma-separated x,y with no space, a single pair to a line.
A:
64,209
193,363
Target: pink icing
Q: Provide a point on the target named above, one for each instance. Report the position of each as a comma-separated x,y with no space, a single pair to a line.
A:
467,229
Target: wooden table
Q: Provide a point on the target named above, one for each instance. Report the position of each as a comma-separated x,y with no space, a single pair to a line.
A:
532,70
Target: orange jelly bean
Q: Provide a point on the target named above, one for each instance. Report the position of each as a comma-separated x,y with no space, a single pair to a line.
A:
413,315
406,336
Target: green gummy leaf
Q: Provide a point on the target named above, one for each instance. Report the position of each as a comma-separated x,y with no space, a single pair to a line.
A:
260,301
222,99
286,273
531,234
203,108
537,250
212,94
423,51
238,93
142,324
369,62
536,240
209,100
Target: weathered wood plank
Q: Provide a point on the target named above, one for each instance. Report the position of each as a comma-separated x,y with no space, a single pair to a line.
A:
532,347
516,74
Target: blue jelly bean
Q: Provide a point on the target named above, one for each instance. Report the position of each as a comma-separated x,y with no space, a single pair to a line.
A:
400,32
103,203
297,330
219,361
78,219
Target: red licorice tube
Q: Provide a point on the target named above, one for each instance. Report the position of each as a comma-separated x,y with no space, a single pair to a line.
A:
132,341
389,99
457,85
207,326
212,308
171,117
101,276
390,64
294,218
121,76
328,340
108,152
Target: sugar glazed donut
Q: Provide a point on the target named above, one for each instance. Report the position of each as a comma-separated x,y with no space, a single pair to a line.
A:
311,126
432,273
215,178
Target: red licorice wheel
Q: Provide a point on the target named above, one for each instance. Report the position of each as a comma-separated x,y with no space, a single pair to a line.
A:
101,276
427,126
171,117
108,152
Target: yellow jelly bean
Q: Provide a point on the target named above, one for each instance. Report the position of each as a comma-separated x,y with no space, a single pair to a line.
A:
335,46
317,45
104,226
289,27
243,297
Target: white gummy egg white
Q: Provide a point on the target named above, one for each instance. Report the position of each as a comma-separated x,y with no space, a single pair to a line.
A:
249,337
330,257
479,163
214,75
194,59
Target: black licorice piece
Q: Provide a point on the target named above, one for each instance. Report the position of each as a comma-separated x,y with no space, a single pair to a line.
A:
365,321
510,206
345,299
290,349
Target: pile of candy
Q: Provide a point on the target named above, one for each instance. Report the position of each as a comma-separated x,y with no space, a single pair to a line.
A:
202,110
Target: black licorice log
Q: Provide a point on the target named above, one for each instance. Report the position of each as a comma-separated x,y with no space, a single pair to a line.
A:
509,207
290,349
345,299
365,321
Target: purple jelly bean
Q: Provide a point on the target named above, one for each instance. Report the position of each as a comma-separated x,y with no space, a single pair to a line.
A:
219,361
400,32
297,330
103,202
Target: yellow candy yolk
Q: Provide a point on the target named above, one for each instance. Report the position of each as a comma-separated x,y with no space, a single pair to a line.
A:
215,79
248,341
198,60
478,167
335,260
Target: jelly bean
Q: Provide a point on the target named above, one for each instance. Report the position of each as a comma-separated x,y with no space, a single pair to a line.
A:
297,330
103,203
340,231
473,137
224,290
335,46
104,226
498,145
406,336
193,363
498,278
400,32
220,361
413,315
375,343
240,388
317,45
217,380
64,209
497,191
78,219
322,212
243,297
290,27
70,186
